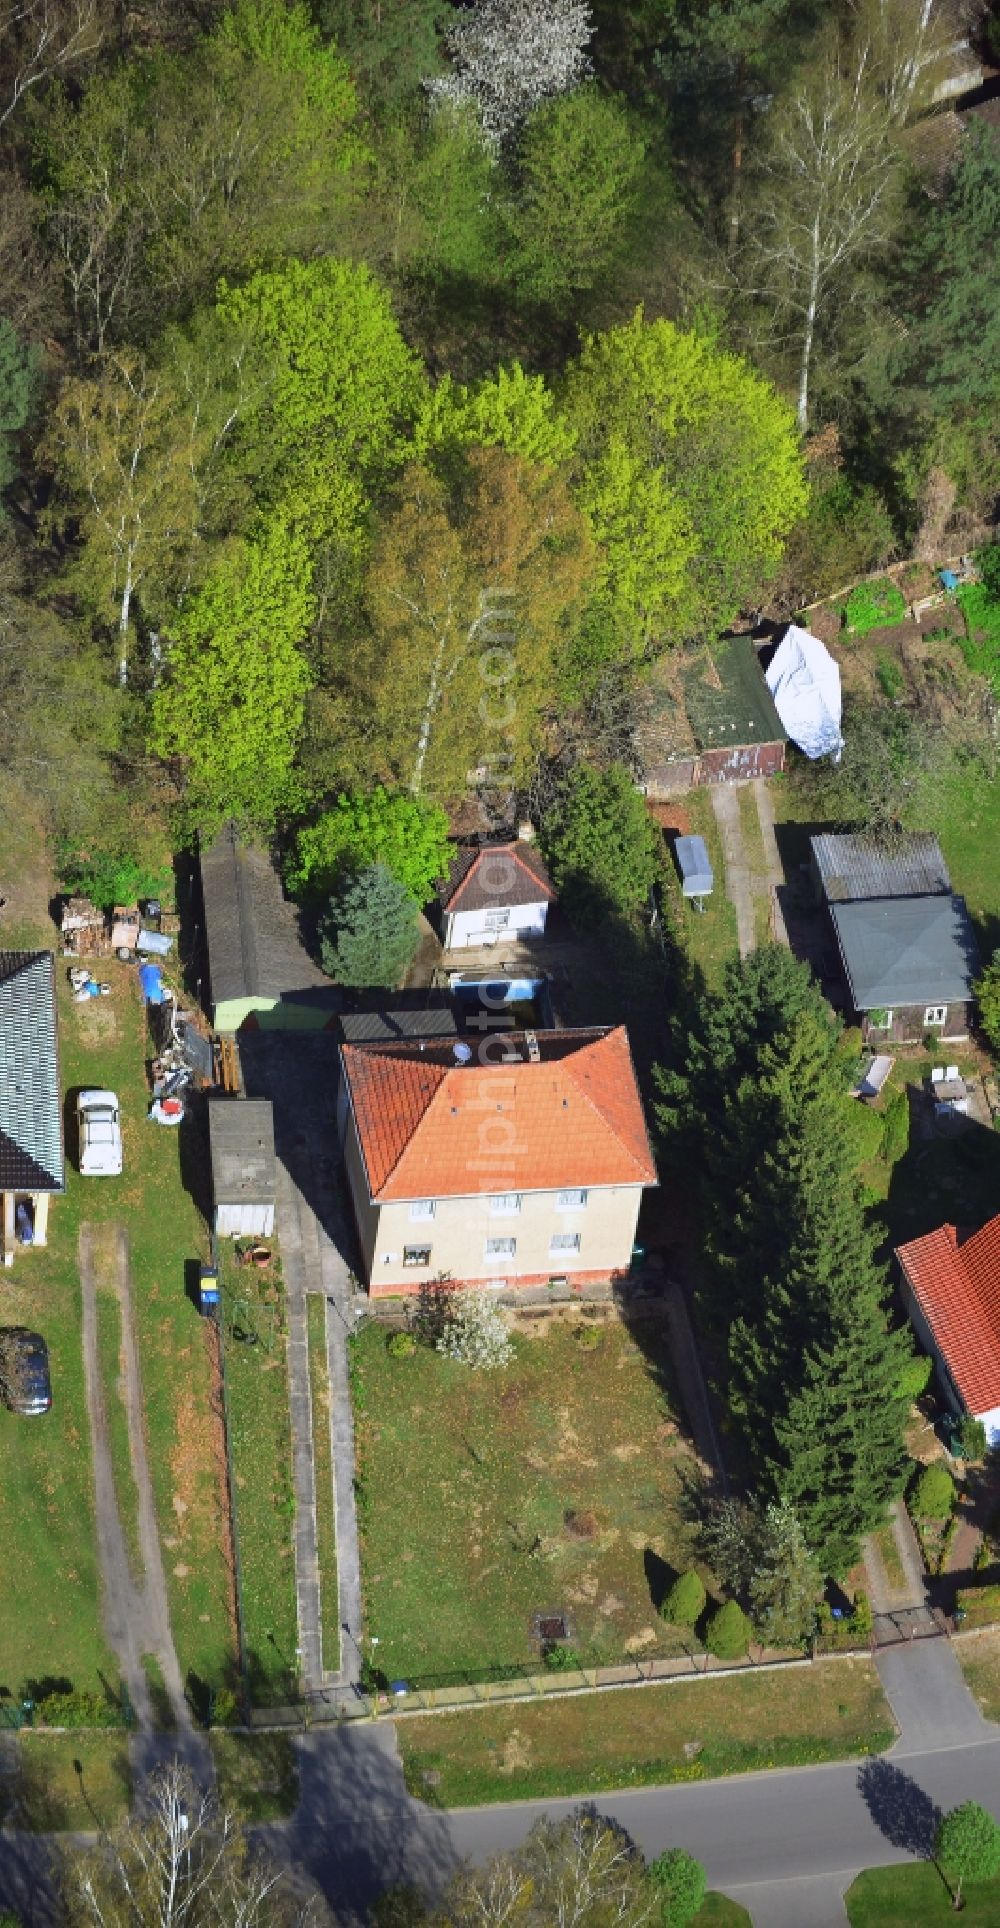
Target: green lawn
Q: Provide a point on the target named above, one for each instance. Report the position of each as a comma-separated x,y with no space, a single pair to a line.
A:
488,1498
640,1736
720,1912
261,1448
709,936
69,1781
899,1897
980,1660
319,1380
50,1622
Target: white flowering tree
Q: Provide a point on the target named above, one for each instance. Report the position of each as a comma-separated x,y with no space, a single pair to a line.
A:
510,55
475,1333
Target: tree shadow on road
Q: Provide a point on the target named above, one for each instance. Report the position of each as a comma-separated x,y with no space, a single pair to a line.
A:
899,1808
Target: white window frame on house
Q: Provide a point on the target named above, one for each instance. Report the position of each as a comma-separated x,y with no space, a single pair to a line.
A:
505,1204
417,1256
571,1201
561,1242
496,920
501,1249
936,1014
422,1208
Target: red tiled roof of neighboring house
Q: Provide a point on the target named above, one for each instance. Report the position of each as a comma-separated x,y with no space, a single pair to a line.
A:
957,1287
493,874
431,1127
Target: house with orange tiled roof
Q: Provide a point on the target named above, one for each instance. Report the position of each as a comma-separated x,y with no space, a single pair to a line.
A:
495,893
951,1290
515,1160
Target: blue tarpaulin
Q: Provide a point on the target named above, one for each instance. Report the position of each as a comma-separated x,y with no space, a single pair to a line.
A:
151,979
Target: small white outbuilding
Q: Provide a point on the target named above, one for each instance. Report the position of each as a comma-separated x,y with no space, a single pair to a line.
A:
241,1134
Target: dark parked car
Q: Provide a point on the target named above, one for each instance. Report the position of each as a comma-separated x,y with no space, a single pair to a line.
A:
25,1385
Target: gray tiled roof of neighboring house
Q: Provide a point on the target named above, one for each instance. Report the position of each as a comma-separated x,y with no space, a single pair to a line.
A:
852,868
254,945
241,1134
900,951
31,1139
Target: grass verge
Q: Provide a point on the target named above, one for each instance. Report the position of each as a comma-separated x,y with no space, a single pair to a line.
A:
899,1897
319,1381
258,1775
52,1795
645,1736
720,1912
885,1540
254,1327
709,936
980,1662
753,845
109,1347
553,1487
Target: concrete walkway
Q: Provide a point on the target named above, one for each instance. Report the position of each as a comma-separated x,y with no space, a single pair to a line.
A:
299,1072
739,886
135,1608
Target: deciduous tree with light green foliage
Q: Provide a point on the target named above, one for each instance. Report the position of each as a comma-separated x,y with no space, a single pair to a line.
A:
344,387
509,410
600,845
391,827
679,1882
369,934
718,455
230,705
967,1846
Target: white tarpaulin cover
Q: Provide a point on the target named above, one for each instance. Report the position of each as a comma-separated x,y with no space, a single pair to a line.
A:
804,681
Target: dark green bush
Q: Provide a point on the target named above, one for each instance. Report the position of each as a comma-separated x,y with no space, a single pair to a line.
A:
932,1495
78,1709
685,1602
728,1632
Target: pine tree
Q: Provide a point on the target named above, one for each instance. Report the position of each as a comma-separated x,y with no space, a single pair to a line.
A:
369,934
816,1376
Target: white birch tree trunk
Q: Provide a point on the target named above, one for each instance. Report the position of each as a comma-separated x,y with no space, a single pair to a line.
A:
809,330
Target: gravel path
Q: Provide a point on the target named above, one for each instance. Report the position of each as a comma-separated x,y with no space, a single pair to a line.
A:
739,886
136,1613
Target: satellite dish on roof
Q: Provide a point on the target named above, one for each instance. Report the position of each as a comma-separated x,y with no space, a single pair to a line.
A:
462,1053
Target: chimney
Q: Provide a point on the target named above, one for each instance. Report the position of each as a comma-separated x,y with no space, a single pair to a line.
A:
534,1054
525,831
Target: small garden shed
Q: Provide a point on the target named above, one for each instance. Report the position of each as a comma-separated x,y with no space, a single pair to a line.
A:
241,1134
709,718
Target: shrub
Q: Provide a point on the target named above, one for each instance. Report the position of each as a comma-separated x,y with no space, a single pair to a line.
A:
896,1127
933,1493
589,1337
78,1709
475,1333
873,605
679,1881
988,562
727,1633
685,1602
914,1376
862,1620
400,1345
562,1660
225,1707
972,1440
111,877
889,677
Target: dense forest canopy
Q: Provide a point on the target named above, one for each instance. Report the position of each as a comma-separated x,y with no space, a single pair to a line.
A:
321,324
